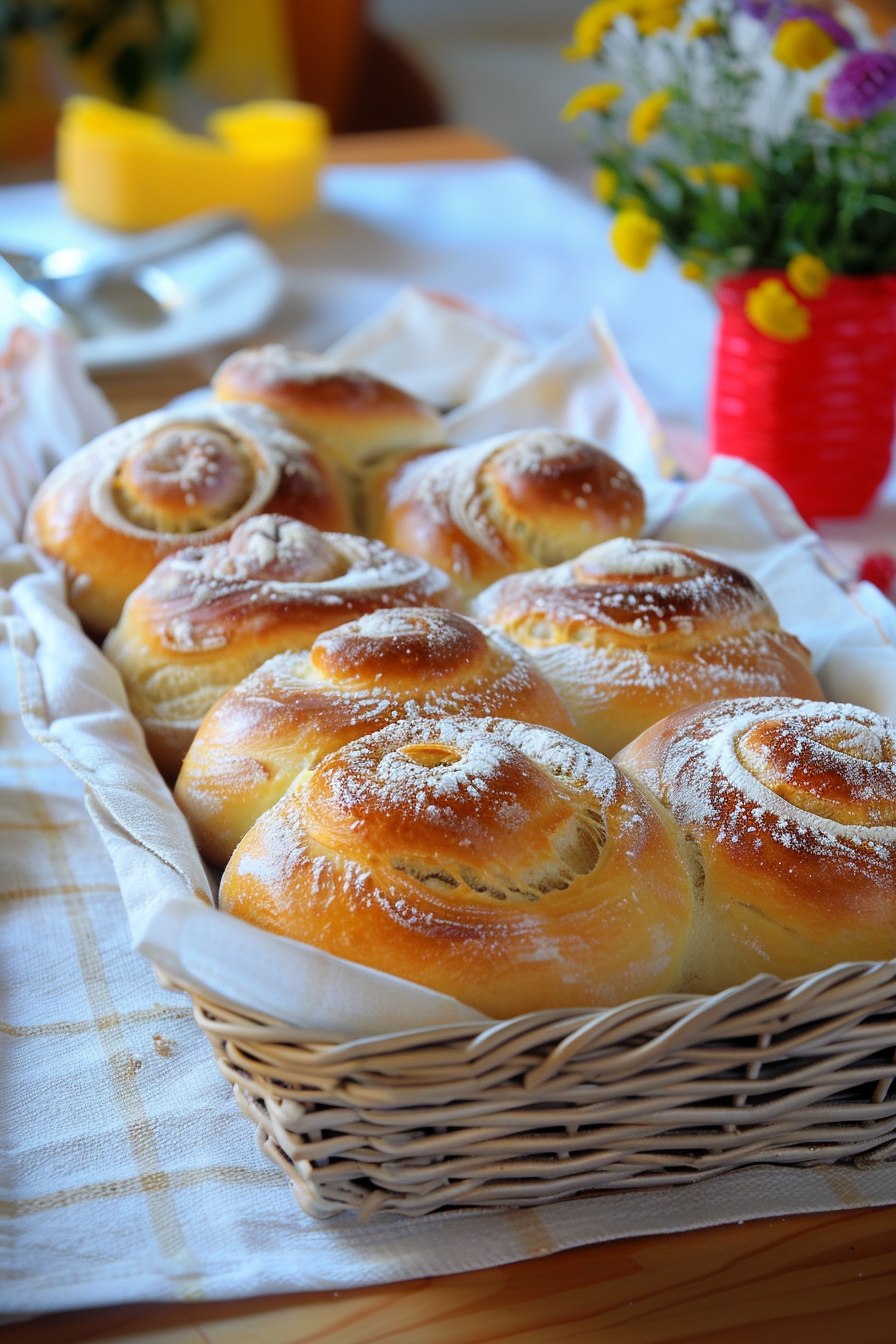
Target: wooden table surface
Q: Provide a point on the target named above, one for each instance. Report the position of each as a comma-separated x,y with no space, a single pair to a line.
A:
809,1279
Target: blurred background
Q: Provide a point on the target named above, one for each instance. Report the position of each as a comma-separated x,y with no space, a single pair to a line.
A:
373,64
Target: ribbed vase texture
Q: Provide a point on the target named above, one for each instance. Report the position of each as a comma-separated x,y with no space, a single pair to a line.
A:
817,414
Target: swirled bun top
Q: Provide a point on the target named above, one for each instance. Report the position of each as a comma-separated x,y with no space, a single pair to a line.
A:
645,593
498,862
183,478
633,630
349,415
536,497
164,481
207,616
791,806
354,680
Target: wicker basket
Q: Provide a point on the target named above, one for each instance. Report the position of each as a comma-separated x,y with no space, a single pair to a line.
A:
664,1091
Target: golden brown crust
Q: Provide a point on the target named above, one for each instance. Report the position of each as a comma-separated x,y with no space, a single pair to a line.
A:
356,679
633,630
207,616
164,481
791,806
521,500
500,863
350,416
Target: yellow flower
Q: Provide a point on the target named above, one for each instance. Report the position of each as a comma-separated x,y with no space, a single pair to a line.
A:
775,312
723,174
646,115
705,27
634,236
605,183
595,98
801,44
691,270
595,22
730,175
809,276
650,19
592,25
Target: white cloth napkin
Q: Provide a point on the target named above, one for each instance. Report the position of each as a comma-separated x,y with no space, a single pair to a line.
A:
74,702
128,1172
47,407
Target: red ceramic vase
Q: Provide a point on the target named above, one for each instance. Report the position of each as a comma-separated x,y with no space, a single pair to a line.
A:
817,414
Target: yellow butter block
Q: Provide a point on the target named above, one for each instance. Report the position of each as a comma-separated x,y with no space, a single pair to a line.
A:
128,170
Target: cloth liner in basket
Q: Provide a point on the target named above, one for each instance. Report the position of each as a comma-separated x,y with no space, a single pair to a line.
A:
378,1095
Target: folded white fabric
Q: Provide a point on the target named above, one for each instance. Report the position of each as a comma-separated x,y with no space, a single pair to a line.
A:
74,703
47,409
129,1173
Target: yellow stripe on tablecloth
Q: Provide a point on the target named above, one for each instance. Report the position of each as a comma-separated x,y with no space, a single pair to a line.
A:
151,1180
159,1182
160,1013
52,890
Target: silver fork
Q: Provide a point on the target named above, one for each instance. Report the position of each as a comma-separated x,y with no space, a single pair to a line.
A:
69,275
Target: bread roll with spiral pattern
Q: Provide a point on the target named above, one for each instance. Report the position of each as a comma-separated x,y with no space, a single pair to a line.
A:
351,417
168,480
208,616
515,502
354,680
791,807
500,863
633,630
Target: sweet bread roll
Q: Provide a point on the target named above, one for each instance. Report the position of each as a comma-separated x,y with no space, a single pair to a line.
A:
352,418
168,480
633,630
790,806
536,497
354,680
208,616
497,862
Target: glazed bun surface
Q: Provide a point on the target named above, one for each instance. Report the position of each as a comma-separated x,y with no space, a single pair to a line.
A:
494,861
633,630
164,481
208,616
518,501
354,680
350,416
791,806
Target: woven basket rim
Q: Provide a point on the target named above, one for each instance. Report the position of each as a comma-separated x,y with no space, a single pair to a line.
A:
749,994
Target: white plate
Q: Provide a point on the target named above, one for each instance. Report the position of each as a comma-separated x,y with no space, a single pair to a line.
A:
227,287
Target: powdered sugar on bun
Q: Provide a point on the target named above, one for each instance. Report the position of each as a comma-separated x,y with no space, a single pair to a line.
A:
512,502
208,616
822,776
165,481
356,679
792,807
634,629
652,592
273,565
499,862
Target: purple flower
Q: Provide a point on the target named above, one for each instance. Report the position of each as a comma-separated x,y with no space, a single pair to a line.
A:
863,86
835,31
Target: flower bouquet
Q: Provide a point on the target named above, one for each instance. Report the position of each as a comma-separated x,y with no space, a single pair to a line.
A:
757,139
